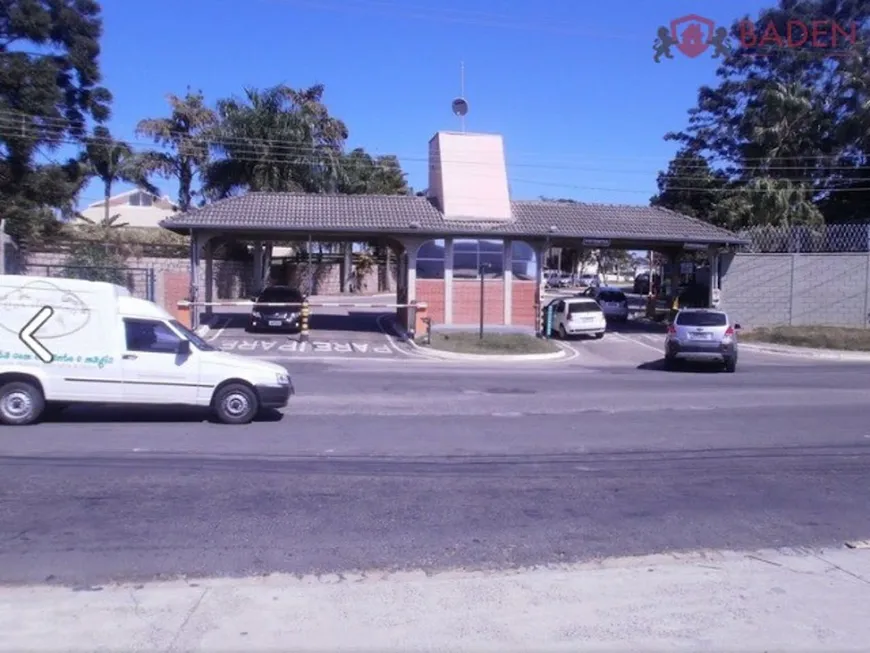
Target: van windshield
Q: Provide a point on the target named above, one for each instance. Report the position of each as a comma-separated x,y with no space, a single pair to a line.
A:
195,340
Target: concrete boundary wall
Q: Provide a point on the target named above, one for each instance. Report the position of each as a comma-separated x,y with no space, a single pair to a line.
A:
831,289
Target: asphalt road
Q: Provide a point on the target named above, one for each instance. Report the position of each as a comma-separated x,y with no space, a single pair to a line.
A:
432,466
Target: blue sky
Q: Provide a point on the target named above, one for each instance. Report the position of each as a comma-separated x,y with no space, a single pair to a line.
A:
570,84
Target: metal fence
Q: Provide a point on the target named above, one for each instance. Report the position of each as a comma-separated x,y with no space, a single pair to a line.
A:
797,239
800,276
139,281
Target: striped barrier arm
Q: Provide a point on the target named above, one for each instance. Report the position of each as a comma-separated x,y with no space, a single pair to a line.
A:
187,304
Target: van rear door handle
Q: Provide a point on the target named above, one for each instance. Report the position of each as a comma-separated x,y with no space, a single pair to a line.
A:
129,357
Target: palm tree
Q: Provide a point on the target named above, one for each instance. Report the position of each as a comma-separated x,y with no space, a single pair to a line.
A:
184,135
113,161
279,140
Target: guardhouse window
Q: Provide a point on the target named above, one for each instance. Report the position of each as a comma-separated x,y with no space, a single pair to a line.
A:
472,257
430,260
524,261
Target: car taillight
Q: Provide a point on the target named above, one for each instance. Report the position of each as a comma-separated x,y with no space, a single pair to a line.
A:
729,332
672,330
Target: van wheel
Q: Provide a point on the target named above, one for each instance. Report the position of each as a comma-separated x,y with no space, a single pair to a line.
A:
21,403
235,404
730,365
599,336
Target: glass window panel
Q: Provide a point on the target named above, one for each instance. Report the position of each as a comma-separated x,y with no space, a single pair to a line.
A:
494,263
430,268
431,249
464,264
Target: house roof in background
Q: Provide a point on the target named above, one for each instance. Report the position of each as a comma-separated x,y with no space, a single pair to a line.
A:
127,193
402,214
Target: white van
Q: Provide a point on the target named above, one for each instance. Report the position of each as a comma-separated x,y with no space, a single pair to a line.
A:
67,341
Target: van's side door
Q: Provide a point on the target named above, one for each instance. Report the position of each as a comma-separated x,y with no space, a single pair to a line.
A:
154,370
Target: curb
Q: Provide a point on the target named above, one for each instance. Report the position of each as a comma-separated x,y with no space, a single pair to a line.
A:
434,354
517,358
819,354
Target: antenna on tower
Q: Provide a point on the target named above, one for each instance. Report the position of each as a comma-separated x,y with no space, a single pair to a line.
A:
460,105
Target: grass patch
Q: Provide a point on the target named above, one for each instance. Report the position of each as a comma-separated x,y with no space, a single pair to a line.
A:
815,337
492,343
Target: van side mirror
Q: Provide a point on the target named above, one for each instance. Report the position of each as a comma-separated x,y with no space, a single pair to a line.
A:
183,348
737,327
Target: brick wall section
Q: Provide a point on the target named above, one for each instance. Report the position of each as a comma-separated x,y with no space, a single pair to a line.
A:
176,287
232,279
466,302
797,289
431,291
523,304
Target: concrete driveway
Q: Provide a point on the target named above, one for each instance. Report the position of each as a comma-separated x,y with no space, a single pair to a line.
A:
333,333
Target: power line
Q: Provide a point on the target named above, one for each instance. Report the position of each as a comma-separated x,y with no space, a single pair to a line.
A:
253,156
13,122
61,125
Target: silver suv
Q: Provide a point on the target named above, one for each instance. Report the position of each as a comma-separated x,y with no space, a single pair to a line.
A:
702,334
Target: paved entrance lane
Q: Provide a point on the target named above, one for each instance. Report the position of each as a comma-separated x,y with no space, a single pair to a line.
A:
333,333
319,345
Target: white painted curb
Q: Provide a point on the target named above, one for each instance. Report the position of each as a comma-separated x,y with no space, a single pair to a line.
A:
435,354
449,355
802,352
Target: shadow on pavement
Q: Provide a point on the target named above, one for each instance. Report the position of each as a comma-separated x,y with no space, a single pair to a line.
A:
225,320
101,414
638,326
353,321
683,368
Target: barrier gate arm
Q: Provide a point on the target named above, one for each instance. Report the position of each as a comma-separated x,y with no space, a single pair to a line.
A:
185,304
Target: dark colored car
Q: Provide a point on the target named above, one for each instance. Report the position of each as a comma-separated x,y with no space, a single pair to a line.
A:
641,283
278,318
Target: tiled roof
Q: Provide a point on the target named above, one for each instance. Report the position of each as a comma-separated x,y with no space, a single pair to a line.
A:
403,214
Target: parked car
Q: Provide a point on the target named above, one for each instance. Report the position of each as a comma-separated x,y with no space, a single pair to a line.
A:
641,283
576,316
613,302
265,317
587,280
702,334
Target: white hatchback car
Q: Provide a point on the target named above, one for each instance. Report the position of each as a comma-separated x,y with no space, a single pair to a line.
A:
575,316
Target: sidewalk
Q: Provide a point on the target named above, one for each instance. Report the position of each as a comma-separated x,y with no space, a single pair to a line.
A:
725,601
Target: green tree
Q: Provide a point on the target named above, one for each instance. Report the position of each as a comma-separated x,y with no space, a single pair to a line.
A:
49,91
99,254
690,187
773,129
278,139
363,174
113,161
184,139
